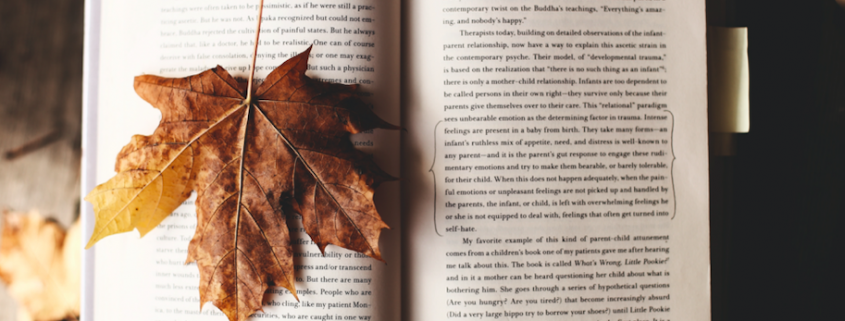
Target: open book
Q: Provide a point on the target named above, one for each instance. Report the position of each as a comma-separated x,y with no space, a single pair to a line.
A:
553,166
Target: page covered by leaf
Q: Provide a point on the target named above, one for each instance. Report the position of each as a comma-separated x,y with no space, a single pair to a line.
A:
251,162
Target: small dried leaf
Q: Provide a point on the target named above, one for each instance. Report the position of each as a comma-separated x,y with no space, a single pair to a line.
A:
41,265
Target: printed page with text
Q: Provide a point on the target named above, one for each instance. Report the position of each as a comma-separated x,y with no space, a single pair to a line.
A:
555,160
553,164
353,43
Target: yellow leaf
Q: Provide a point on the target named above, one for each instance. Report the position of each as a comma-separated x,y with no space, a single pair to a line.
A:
145,190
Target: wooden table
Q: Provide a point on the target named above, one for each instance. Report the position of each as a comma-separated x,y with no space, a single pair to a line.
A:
40,94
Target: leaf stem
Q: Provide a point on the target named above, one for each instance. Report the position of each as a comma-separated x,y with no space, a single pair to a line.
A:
254,54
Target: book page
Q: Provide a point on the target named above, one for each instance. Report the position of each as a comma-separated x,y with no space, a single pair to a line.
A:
556,161
146,278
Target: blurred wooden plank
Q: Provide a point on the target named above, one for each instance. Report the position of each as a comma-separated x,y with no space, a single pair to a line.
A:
40,92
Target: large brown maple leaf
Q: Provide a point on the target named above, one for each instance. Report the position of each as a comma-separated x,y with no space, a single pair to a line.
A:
251,160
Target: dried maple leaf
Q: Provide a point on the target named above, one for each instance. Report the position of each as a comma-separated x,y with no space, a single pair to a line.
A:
250,160
41,264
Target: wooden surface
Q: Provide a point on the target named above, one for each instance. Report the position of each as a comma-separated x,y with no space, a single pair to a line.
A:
40,92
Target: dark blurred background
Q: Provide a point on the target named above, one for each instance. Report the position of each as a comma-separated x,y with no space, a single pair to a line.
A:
777,205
